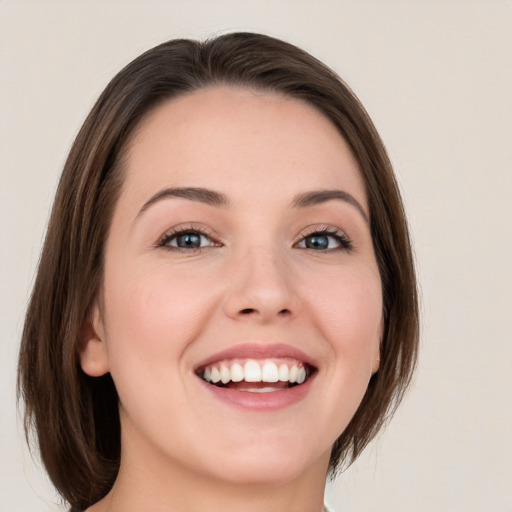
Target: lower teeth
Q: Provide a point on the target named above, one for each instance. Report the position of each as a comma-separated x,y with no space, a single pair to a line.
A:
263,390
267,389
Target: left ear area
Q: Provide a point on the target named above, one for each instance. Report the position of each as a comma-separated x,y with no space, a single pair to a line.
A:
376,361
92,347
376,357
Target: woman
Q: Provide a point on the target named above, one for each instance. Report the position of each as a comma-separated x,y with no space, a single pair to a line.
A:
225,309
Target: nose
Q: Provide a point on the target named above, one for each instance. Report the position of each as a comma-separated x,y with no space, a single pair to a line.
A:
261,289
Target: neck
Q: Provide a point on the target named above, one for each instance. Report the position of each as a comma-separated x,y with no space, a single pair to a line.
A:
169,488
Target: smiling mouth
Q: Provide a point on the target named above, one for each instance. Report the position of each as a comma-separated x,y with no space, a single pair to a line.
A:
256,376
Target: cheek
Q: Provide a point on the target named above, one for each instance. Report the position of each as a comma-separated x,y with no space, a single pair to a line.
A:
348,307
153,315
348,316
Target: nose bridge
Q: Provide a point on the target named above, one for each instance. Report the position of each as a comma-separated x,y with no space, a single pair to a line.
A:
261,286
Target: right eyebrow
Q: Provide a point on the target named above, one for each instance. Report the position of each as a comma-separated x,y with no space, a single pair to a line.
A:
198,194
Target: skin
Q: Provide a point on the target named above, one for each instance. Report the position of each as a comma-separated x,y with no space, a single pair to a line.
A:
162,311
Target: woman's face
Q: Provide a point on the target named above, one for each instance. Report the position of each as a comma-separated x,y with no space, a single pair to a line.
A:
239,250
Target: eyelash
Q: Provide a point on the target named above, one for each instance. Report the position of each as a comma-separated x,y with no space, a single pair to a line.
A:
345,244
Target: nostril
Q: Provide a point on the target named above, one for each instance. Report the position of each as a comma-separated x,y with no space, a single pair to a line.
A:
249,311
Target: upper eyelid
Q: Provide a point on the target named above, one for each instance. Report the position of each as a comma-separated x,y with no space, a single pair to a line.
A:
324,229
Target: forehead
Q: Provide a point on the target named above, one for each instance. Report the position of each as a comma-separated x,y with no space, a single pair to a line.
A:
240,140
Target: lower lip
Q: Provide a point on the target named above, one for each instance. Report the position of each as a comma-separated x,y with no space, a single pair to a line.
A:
270,401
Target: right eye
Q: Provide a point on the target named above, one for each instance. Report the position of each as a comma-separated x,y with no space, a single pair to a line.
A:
186,240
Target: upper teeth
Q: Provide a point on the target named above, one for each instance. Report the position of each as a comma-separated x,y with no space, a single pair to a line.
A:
254,371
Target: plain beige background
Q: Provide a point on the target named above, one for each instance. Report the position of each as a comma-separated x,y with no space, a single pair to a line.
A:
436,77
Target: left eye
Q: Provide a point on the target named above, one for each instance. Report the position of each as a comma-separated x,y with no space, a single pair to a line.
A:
324,242
188,240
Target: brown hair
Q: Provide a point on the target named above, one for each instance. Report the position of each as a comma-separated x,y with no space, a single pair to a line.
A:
75,416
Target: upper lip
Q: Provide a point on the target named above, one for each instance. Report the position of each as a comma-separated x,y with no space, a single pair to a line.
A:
258,351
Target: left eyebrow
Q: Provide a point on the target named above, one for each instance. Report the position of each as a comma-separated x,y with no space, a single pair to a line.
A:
315,197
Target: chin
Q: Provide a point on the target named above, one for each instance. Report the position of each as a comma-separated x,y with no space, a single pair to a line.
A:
270,464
